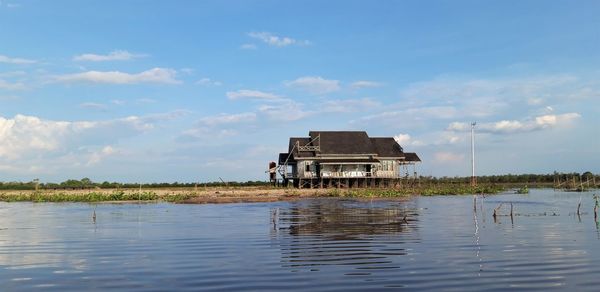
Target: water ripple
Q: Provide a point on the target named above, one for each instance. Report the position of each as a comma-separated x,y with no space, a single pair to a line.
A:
427,243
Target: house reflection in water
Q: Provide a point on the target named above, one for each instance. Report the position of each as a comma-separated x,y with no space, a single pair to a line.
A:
358,234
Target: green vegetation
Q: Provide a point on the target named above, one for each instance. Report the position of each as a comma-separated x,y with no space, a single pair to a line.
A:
506,179
518,179
424,190
86,183
85,190
92,197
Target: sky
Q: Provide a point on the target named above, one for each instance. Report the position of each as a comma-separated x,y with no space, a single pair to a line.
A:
194,91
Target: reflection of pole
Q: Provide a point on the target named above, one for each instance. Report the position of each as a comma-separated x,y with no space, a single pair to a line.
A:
473,179
476,237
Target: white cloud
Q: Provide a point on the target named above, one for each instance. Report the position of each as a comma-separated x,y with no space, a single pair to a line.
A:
218,126
11,86
420,114
208,82
155,75
117,55
426,139
248,47
26,134
98,156
187,71
534,101
8,97
274,40
448,157
365,84
228,119
556,120
12,73
93,105
16,61
145,100
30,136
250,94
349,105
117,102
402,139
315,84
422,103
532,90
286,110
514,126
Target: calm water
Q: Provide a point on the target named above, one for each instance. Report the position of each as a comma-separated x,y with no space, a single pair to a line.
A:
426,243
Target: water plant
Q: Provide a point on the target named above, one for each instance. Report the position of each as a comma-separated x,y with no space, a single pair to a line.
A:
116,195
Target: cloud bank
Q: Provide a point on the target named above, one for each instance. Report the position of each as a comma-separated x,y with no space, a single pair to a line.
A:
154,75
118,55
514,126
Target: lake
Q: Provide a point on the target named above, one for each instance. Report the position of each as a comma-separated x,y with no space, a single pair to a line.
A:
420,243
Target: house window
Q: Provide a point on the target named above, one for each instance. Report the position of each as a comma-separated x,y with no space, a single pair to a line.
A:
387,165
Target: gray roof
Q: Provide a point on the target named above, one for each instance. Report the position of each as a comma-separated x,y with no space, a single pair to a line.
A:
349,143
387,147
303,141
343,142
283,157
411,156
293,140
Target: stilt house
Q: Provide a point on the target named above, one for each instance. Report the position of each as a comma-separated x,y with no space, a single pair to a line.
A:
345,159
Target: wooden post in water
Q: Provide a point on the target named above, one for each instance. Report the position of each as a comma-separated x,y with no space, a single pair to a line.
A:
473,178
496,211
596,208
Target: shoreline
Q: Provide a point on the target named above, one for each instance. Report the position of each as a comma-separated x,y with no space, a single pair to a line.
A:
223,195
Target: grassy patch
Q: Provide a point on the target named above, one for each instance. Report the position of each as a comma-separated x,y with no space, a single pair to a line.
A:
430,190
92,197
459,190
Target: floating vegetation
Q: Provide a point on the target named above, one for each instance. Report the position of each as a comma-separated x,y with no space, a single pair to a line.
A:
117,195
429,190
249,194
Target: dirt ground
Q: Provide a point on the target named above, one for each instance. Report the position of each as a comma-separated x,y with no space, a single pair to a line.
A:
202,195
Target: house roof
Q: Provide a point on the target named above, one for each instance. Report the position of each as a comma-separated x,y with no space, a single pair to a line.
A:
303,141
283,157
347,143
342,142
411,156
293,140
387,147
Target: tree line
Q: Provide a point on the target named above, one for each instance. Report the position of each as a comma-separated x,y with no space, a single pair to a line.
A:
86,183
520,178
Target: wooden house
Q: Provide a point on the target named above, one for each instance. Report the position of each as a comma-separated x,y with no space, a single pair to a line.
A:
345,159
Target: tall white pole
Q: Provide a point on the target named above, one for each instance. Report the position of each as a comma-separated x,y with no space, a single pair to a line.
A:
473,180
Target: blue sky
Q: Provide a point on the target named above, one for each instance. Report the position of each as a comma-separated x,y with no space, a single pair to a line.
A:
196,90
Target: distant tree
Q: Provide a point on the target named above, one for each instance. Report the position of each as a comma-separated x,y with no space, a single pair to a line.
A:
588,175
